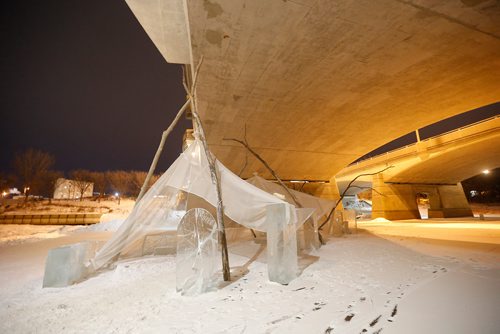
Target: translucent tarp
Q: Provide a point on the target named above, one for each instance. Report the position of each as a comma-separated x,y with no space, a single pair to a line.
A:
308,235
321,206
184,185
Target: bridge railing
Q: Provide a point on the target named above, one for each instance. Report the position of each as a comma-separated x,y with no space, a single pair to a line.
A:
426,140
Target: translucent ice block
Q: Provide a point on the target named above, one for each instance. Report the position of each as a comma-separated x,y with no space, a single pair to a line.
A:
350,221
282,264
307,236
197,252
66,265
337,229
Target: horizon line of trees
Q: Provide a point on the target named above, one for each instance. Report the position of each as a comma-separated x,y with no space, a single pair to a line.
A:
33,174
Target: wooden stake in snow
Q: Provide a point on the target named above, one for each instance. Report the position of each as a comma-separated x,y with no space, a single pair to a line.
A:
214,174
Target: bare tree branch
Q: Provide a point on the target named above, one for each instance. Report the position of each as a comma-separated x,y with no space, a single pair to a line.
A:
30,166
81,179
345,191
371,188
273,173
246,154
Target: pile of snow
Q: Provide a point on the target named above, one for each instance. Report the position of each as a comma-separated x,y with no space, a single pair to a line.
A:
110,222
379,220
15,234
488,210
106,226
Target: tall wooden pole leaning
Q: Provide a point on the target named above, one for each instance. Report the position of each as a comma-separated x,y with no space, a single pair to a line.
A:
213,173
164,136
152,168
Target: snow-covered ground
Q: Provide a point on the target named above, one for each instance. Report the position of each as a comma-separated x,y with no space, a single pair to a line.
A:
375,281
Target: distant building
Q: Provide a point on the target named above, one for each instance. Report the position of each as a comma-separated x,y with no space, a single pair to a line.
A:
71,189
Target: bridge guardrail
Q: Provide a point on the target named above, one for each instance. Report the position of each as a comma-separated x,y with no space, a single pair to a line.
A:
426,139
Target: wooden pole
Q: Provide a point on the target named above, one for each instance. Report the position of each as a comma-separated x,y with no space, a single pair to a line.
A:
214,175
164,136
152,168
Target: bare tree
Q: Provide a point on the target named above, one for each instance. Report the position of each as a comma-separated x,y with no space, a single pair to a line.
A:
137,179
119,180
100,183
5,180
30,166
48,182
82,180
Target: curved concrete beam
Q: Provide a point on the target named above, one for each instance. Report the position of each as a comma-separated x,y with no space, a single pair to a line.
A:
455,164
319,83
446,159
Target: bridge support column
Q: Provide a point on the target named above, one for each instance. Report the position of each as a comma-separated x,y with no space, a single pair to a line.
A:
329,191
453,201
398,201
392,201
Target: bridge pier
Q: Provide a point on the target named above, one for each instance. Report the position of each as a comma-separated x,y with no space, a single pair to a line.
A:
398,200
329,191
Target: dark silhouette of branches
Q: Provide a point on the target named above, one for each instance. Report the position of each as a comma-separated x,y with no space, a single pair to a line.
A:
345,191
30,167
273,173
82,180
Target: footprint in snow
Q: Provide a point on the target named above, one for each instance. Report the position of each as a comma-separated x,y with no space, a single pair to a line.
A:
375,321
393,313
319,305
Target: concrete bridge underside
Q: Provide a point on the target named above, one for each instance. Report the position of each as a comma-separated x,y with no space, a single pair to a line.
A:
319,83
435,167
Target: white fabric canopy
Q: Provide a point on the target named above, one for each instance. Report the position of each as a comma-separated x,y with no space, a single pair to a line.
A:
322,206
163,206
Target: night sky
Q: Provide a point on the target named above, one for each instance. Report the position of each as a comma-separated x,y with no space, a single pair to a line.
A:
81,80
